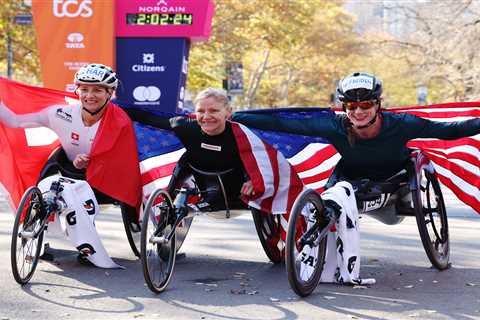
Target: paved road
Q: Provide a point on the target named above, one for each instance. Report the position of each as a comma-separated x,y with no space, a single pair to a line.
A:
225,275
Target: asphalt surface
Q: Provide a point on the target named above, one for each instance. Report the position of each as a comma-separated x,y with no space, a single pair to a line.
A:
226,275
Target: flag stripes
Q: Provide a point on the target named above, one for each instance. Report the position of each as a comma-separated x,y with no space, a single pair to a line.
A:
456,162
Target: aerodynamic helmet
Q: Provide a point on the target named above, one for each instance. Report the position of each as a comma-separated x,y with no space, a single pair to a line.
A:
359,86
96,73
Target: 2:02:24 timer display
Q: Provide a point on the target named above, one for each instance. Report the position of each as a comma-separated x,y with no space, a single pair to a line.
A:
160,19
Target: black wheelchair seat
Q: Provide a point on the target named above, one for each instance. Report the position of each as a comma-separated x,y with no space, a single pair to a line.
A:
58,162
368,190
214,195
215,192
388,201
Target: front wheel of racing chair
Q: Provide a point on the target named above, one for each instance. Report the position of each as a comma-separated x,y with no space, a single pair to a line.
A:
157,252
27,235
306,242
430,213
268,230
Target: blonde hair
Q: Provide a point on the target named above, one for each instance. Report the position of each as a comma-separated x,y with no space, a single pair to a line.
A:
218,94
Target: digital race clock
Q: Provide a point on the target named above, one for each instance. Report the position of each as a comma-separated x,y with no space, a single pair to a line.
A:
159,19
190,19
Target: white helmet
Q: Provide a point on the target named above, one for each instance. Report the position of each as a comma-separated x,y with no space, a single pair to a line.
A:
96,73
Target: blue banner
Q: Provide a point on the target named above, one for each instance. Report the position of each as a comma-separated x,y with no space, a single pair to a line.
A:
152,73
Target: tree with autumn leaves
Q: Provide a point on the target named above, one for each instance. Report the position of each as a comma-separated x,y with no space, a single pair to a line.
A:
291,51
294,51
25,60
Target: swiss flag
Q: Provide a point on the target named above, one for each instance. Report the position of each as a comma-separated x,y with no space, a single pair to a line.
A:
114,149
21,159
75,136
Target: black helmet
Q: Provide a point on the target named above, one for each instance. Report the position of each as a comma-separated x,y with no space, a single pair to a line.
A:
359,86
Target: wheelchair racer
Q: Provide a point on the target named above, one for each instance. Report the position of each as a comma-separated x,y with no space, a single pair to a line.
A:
372,142
210,147
366,129
254,174
79,129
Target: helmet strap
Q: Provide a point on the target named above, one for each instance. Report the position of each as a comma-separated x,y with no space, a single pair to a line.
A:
371,122
98,111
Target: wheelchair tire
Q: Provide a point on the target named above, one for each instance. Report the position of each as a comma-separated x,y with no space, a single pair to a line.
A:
304,263
132,227
25,250
432,220
158,259
268,230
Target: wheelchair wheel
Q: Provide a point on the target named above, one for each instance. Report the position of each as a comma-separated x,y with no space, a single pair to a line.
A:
132,227
268,230
157,254
27,236
304,261
432,220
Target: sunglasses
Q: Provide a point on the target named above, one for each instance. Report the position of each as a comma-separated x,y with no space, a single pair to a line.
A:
364,105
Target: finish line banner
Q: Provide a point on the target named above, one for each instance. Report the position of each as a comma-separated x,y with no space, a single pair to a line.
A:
70,34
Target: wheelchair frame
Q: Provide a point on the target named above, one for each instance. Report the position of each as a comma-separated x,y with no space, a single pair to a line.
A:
57,164
33,212
427,205
163,216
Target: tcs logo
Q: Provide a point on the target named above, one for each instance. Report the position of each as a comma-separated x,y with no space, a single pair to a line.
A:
72,8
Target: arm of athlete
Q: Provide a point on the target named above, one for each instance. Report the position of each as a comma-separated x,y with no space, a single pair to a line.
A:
149,118
28,120
423,128
324,127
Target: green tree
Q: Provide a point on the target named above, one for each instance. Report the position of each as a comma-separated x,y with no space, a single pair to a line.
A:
291,51
26,64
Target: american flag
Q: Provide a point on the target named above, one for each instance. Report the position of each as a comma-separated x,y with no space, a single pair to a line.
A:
456,162
313,158
275,181
159,150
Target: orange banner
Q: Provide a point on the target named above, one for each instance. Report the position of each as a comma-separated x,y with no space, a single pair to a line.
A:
70,34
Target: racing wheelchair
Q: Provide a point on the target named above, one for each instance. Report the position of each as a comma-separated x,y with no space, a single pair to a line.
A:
36,208
414,191
169,214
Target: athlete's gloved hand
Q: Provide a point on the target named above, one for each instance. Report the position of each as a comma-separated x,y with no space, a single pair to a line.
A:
81,161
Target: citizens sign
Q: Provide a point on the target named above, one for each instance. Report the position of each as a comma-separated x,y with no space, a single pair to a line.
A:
152,41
